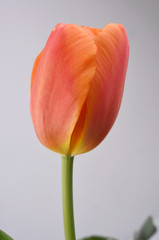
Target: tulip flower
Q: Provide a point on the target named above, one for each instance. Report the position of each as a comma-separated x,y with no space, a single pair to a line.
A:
77,86
76,90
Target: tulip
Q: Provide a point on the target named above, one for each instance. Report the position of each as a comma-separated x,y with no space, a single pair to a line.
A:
77,86
76,90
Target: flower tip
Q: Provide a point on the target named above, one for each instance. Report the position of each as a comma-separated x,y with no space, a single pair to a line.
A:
59,25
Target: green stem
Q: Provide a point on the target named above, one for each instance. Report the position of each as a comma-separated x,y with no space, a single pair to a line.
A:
67,195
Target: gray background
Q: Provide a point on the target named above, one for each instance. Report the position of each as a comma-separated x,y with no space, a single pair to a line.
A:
116,186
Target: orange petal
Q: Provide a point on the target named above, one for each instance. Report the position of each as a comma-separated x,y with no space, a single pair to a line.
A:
36,63
61,84
105,94
93,32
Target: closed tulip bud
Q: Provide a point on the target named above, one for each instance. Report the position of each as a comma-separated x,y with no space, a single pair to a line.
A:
77,86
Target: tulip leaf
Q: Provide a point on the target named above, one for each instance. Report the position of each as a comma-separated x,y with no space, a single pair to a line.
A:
4,236
97,238
146,231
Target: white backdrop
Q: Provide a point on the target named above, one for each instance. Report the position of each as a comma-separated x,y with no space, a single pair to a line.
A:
116,186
